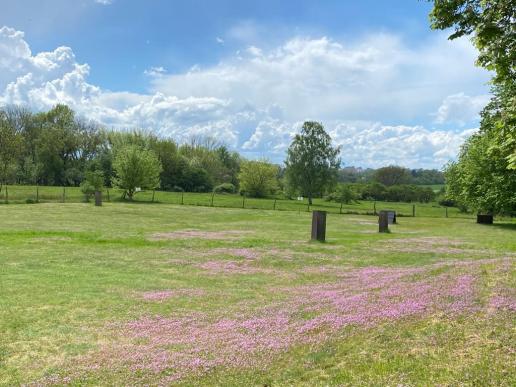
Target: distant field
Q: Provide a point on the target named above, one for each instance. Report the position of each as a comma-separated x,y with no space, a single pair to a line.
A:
19,194
140,294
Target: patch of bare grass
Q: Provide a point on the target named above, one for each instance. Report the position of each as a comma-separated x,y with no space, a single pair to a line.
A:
210,235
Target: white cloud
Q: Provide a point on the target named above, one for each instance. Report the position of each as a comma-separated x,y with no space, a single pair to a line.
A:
375,78
104,2
257,100
460,108
155,71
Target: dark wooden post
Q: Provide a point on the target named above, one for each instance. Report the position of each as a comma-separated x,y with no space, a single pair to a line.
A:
340,210
446,211
374,207
108,199
182,198
64,194
212,196
413,210
243,201
383,221
98,198
485,218
274,207
153,193
308,207
319,226
6,195
37,193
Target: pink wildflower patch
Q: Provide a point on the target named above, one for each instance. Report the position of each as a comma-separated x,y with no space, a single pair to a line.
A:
161,295
361,297
231,267
440,245
186,343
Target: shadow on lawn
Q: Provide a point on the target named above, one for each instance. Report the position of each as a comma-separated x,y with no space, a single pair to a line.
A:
506,226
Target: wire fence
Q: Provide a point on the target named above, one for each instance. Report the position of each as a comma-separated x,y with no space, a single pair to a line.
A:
48,194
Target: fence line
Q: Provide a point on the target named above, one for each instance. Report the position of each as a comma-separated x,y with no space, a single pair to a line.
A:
35,194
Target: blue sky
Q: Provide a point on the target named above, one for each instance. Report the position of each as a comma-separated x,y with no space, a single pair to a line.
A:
249,72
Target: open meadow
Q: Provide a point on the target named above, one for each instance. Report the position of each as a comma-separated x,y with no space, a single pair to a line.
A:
153,294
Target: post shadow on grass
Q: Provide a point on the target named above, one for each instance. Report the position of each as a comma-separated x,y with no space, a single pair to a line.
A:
505,226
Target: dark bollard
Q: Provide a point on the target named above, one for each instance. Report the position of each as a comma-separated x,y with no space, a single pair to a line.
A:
485,219
383,221
319,226
98,198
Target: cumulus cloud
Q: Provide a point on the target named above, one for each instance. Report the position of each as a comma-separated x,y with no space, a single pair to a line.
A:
375,78
460,108
257,99
104,2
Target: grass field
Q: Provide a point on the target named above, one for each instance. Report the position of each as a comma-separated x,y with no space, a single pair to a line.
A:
158,294
20,194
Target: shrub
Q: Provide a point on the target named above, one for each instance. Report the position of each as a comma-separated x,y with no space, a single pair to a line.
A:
225,188
343,194
87,189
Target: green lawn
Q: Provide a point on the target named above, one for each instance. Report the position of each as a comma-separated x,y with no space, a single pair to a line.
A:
148,294
46,194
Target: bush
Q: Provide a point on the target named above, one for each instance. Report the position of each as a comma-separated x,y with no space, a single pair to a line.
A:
87,189
446,202
30,201
343,194
225,188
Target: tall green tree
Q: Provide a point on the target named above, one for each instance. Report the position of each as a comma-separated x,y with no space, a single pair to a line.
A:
392,175
258,179
491,24
10,147
135,167
312,161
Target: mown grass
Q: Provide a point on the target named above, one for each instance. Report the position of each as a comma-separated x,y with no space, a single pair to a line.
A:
69,271
46,194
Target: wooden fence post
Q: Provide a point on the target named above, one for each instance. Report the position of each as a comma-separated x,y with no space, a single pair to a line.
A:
37,193
319,226
182,197
446,211
413,210
383,221
243,201
107,191
212,196
308,207
340,211
274,207
153,193
374,207
64,193
6,195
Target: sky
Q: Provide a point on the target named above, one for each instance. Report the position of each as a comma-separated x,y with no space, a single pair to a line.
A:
387,88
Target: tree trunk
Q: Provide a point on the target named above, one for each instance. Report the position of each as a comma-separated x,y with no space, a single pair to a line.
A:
310,199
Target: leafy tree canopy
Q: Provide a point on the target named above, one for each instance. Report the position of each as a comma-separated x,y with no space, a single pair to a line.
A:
136,167
258,178
312,161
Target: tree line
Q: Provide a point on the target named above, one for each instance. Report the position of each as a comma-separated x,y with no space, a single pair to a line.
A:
58,147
